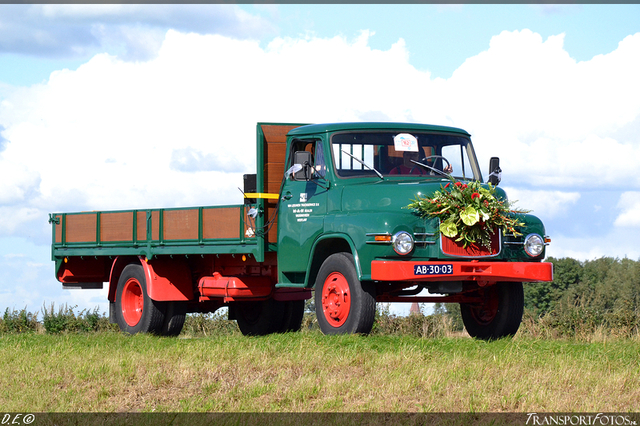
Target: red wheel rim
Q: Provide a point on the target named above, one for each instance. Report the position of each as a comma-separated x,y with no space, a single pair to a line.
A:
132,302
336,299
485,313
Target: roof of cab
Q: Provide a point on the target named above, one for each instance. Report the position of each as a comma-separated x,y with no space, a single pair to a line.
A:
335,127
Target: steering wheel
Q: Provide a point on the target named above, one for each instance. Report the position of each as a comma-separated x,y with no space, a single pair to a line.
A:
426,159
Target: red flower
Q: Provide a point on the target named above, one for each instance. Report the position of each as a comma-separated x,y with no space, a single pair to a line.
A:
458,184
475,195
447,185
464,186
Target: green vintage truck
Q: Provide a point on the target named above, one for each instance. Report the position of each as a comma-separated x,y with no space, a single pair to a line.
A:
325,216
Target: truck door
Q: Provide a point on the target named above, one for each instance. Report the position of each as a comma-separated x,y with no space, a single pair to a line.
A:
302,209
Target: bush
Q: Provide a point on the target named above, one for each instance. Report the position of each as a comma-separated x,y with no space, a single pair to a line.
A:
18,321
65,320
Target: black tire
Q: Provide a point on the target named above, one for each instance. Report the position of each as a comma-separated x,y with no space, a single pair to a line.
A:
293,314
175,314
259,318
499,316
135,311
349,305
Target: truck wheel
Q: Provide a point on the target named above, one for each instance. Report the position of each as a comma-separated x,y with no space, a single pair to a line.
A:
499,315
293,314
259,318
174,316
135,311
343,304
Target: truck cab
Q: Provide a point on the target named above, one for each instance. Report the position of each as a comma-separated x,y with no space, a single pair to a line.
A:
344,229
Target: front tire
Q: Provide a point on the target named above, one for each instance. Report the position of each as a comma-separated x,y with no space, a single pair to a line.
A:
344,305
499,315
135,311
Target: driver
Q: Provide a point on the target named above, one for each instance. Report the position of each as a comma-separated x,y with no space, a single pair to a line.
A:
407,167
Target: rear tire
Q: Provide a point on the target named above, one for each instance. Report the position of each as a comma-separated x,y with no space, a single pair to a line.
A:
174,317
259,318
344,305
499,315
135,311
293,314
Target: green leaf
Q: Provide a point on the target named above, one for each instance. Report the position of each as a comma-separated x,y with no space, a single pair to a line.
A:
469,216
449,229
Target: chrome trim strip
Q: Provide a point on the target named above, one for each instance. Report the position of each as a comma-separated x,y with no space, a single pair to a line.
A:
475,257
424,235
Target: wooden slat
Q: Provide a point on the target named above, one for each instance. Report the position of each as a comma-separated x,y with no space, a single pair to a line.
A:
141,226
223,222
276,133
81,228
273,172
155,225
180,224
116,226
58,228
275,152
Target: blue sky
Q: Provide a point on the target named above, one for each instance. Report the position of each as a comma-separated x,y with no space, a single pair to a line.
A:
98,101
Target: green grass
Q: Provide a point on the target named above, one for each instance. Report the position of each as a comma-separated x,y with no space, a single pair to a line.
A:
300,372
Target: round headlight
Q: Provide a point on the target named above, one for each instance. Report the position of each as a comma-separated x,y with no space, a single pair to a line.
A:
402,242
533,245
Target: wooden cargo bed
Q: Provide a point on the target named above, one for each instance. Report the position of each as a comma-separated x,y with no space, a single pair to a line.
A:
196,230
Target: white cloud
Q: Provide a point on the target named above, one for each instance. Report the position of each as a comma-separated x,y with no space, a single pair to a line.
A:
132,31
589,248
551,119
179,129
116,134
630,205
544,204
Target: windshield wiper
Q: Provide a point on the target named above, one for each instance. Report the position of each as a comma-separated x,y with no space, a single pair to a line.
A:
364,164
430,168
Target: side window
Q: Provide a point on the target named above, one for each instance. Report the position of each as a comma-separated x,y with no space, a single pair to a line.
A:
315,157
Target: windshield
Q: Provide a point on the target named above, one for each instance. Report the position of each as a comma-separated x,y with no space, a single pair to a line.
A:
397,154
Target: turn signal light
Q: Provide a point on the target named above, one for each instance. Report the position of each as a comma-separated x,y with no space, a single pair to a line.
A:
383,238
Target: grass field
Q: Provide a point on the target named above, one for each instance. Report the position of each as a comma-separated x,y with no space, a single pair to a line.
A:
309,372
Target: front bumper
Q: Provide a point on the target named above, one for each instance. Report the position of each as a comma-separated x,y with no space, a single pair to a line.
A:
474,270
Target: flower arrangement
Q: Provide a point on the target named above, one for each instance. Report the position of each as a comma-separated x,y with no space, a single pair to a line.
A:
469,212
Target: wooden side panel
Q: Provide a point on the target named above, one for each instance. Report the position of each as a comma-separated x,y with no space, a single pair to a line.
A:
155,225
180,224
141,226
221,222
274,155
58,230
116,226
81,228
275,148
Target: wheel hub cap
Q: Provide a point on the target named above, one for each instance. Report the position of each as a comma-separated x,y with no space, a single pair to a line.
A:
132,302
336,299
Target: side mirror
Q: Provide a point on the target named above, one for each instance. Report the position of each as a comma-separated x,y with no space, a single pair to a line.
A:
495,173
302,158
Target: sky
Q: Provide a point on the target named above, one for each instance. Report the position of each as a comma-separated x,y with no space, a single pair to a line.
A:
107,107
